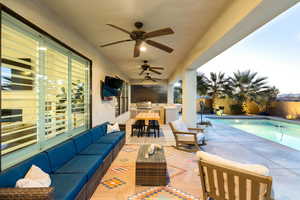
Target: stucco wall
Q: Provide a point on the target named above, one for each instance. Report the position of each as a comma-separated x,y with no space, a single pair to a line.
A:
251,106
38,14
286,109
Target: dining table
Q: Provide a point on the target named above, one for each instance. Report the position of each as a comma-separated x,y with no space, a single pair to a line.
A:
147,116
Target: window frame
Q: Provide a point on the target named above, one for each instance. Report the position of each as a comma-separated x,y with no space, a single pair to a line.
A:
30,151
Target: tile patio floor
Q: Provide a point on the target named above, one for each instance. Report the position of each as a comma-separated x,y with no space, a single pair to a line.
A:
225,141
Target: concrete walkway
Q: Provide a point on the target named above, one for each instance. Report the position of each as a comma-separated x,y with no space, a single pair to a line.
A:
238,145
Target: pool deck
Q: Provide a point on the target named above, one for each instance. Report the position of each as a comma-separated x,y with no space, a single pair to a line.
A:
238,145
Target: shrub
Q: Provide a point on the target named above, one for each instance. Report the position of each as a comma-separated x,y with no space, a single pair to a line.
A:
237,109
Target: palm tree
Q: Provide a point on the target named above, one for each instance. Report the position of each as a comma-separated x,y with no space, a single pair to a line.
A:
264,101
246,86
217,86
202,85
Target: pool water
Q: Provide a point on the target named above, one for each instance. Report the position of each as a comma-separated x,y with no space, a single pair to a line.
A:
284,133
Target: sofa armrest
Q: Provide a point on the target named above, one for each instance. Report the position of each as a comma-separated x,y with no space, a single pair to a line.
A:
45,193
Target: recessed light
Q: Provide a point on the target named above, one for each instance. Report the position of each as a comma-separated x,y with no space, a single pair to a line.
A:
143,48
43,48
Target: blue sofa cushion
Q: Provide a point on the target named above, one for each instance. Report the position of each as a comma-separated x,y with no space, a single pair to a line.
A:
97,149
119,134
82,141
98,131
111,138
61,154
86,164
67,186
9,177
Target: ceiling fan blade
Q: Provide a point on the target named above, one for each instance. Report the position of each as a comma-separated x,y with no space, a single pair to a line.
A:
153,80
152,70
159,45
137,48
142,72
119,28
160,32
159,68
112,43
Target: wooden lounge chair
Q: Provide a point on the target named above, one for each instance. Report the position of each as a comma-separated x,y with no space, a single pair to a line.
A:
187,136
223,179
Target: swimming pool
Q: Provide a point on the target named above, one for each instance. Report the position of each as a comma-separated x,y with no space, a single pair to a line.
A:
284,133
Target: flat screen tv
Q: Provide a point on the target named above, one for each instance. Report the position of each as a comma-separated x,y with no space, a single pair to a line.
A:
114,83
153,93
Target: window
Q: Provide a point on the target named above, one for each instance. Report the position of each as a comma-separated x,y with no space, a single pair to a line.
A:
45,90
122,100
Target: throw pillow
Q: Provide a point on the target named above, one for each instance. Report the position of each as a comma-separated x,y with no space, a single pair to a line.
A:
113,128
35,177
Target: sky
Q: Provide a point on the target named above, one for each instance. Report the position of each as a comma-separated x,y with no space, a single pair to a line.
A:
273,51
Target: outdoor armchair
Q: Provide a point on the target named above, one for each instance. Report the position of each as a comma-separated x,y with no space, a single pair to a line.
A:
187,136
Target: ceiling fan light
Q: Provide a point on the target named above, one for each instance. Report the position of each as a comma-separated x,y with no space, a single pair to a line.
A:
142,48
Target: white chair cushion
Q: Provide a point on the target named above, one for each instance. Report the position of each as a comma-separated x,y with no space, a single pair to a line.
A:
180,126
245,168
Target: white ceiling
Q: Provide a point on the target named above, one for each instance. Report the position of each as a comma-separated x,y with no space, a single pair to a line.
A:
190,19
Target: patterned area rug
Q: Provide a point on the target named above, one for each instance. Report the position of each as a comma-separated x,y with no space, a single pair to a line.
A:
174,171
162,193
113,183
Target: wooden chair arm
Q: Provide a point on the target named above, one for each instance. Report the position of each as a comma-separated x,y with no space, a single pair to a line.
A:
45,193
196,129
185,133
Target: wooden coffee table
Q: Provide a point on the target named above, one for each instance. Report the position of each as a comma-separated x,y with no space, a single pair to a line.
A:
151,171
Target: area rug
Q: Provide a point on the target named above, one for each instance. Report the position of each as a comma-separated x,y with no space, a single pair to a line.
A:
119,169
175,171
113,183
162,193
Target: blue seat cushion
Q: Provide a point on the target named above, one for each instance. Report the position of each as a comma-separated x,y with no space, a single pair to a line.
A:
98,131
86,164
119,134
97,149
9,177
108,140
111,138
61,154
82,141
67,186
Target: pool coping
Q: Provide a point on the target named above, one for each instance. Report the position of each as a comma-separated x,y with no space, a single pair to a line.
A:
252,117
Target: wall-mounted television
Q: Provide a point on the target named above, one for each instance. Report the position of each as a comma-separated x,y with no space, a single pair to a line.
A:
114,83
153,93
111,87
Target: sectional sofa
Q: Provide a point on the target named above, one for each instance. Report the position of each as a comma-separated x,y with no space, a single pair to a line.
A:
76,167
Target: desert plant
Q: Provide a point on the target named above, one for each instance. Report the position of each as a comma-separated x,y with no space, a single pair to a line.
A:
247,86
265,99
218,86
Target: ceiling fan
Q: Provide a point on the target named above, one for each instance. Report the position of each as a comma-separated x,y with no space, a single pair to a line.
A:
140,36
146,67
149,78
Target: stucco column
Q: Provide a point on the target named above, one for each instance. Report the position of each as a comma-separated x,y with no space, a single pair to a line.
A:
189,96
170,93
